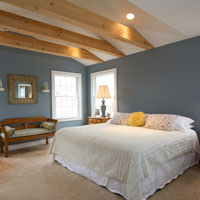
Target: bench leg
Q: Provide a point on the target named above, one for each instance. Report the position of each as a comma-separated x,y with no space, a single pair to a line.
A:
6,149
1,143
47,140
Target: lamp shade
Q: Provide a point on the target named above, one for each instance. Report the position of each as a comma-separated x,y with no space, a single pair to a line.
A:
103,92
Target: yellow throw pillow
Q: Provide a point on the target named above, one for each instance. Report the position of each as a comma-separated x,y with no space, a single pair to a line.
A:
136,119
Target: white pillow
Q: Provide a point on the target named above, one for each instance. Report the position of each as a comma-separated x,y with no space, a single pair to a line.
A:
120,118
183,123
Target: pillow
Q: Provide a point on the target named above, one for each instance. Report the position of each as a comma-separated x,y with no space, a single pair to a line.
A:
136,119
48,125
191,126
183,123
10,131
120,118
160,122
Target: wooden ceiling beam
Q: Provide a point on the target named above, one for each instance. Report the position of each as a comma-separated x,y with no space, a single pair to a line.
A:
29,43
70,13
23,25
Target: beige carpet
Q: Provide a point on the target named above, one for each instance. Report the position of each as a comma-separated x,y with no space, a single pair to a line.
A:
31,174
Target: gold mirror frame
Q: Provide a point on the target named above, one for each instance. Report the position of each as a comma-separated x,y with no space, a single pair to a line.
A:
12,96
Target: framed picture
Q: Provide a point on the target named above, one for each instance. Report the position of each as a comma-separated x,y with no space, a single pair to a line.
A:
97,112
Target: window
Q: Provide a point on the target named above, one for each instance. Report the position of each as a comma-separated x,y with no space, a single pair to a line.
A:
66,96
108,78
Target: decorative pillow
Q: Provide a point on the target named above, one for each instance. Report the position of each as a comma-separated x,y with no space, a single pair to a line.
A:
136,119
120,118
160,122
48,125
10,131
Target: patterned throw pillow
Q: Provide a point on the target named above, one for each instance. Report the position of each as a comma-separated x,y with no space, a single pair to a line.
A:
10,131
160,122
120,118
48,125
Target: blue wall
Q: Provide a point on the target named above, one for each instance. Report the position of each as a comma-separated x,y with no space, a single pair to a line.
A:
20,62
163,80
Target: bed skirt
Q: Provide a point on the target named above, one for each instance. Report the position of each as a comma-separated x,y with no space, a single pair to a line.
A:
157,180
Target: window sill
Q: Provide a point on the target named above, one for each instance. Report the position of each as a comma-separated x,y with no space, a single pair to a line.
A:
70,119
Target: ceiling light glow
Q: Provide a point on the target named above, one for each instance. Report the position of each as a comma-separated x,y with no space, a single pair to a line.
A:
130,16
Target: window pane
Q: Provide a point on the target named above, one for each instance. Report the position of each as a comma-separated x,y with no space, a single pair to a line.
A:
57,80
63,81
57,91
58,101
59,112
64,101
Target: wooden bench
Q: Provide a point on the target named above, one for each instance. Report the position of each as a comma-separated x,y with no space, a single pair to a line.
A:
26,129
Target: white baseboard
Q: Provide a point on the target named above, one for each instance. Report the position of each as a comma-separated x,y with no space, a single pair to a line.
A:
27,144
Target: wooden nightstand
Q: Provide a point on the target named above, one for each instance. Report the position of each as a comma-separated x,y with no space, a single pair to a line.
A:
97,120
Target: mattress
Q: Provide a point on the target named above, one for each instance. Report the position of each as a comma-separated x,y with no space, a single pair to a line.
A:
157,180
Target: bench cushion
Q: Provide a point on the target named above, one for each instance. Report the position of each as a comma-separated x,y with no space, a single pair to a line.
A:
29,132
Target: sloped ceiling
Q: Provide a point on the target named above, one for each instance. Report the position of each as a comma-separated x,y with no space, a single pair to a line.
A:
159,21
182,15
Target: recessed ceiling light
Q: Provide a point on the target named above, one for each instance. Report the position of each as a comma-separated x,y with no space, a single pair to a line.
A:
130,16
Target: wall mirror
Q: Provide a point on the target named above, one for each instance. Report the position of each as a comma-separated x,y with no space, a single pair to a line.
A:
22,89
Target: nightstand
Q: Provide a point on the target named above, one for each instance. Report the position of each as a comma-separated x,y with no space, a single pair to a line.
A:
97,120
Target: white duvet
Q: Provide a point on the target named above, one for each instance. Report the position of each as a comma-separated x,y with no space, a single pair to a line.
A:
122,153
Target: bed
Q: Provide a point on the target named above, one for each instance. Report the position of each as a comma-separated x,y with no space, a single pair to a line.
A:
131,161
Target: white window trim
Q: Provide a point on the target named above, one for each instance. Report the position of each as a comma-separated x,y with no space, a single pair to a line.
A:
93,87
79,76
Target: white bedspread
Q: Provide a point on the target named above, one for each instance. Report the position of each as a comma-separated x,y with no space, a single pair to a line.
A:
122,153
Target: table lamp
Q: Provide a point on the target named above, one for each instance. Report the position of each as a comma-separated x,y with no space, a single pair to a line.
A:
103,92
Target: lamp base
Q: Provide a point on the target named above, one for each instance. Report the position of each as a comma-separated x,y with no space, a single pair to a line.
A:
103,109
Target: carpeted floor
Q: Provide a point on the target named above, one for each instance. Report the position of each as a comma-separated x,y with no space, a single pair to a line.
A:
31,174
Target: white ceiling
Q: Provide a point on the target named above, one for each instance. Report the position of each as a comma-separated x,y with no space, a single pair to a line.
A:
182,15
159,21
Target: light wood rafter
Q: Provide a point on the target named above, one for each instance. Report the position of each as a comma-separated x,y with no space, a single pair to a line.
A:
19,24
68,12
29,43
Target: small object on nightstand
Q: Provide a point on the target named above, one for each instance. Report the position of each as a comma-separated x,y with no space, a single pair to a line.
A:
97,112
98,120
108,115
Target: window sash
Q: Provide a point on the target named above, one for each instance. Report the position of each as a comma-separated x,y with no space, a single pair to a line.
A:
93,88
77,97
